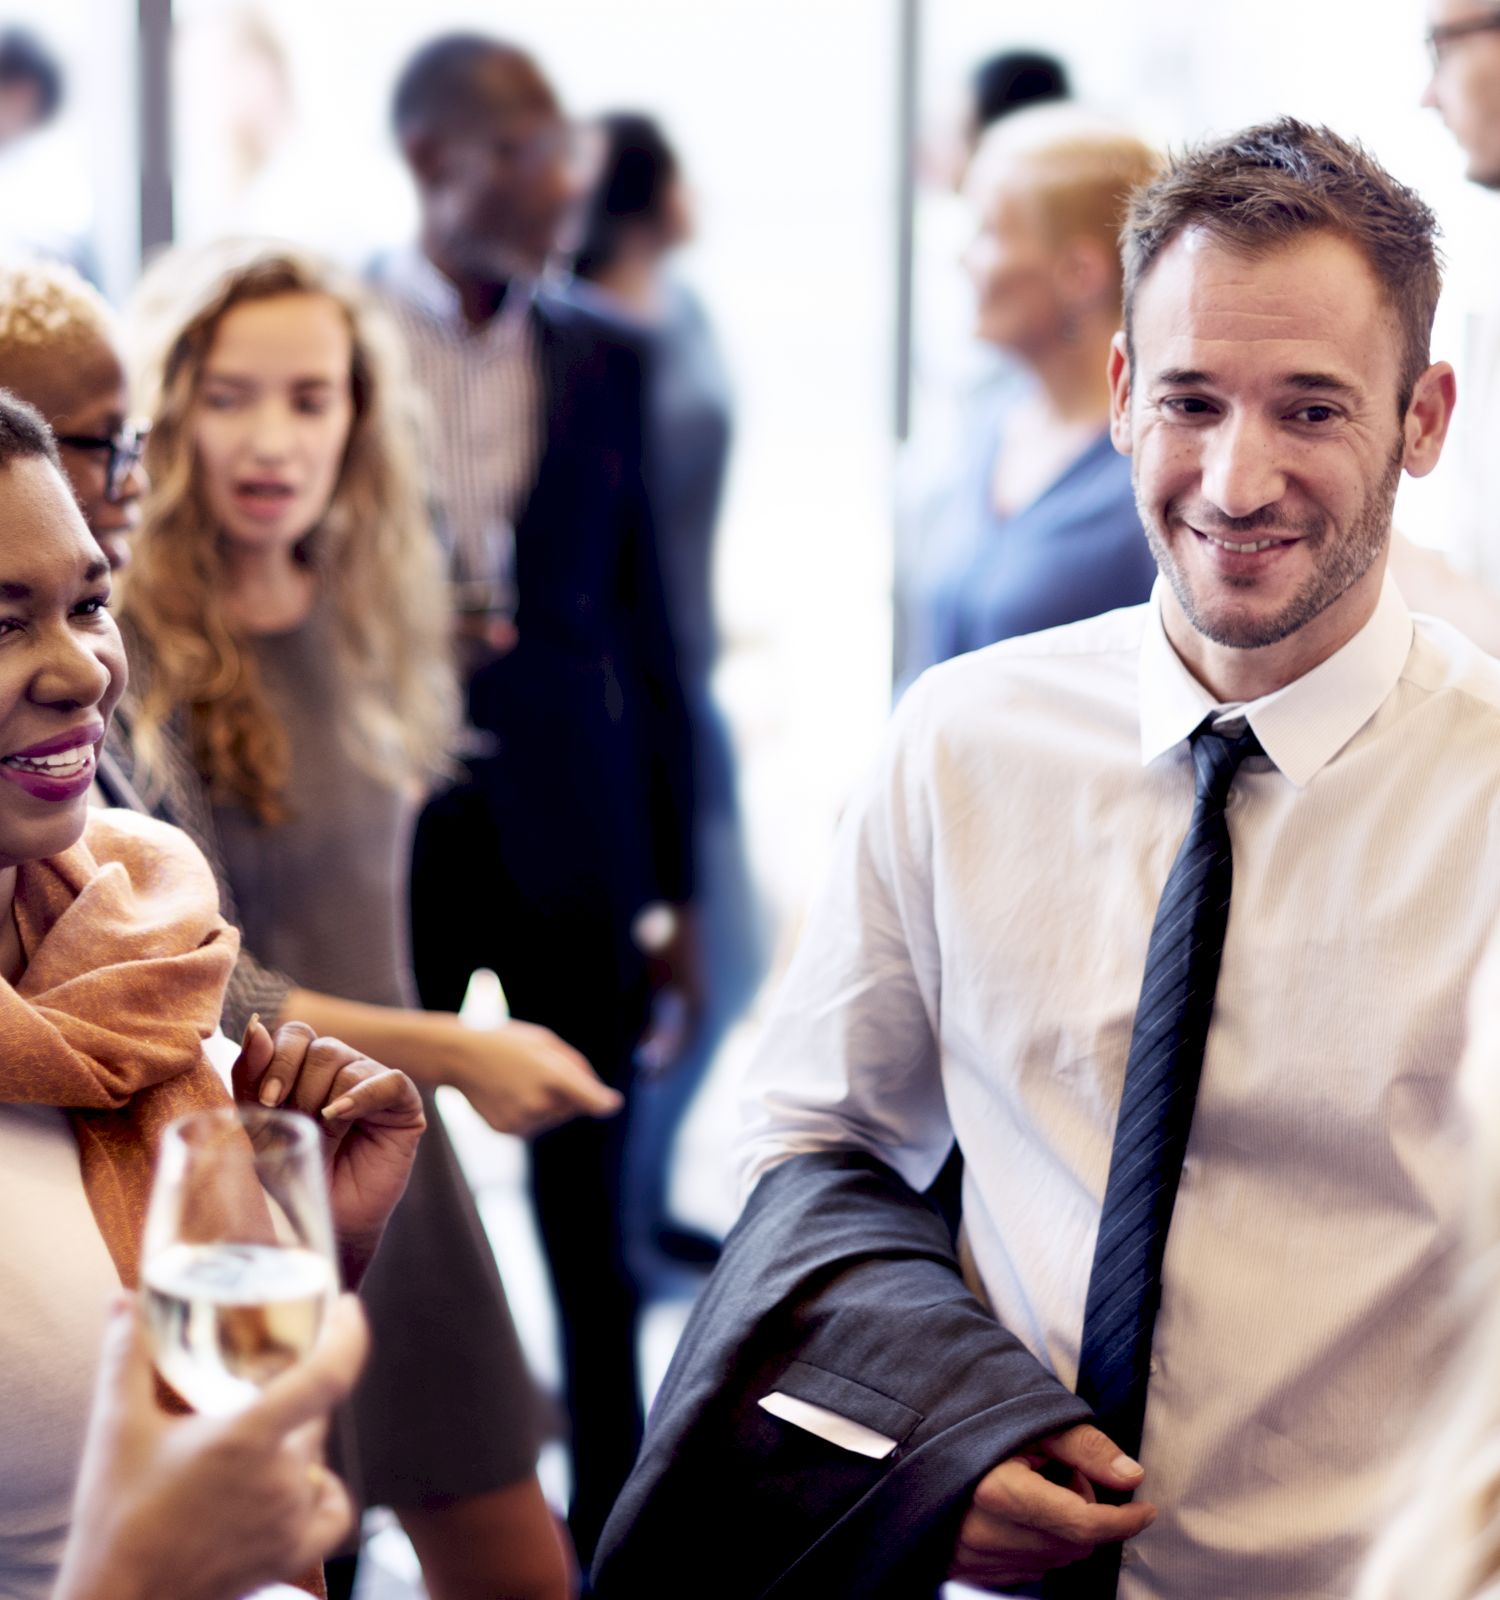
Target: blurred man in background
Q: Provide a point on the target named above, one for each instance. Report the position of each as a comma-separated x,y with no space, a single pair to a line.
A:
1010,82
45,203
31,85
575,819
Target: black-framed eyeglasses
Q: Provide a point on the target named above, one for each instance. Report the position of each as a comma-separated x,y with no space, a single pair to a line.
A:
1445,33
124,452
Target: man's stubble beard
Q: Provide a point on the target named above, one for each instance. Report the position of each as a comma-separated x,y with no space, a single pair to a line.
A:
1357,549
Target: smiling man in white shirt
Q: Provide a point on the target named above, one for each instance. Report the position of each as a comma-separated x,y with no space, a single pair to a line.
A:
983,966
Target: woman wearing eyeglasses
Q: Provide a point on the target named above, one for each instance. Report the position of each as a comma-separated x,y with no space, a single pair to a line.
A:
58,353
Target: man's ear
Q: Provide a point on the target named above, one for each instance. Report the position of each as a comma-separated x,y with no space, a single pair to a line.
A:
1425,425
1119,394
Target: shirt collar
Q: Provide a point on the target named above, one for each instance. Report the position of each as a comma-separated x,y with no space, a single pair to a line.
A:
413,276
1302,726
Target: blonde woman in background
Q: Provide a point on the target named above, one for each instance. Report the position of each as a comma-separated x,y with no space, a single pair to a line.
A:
1035,524
289,633
1443,1539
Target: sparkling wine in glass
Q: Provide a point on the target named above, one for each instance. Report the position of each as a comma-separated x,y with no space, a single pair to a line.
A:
238,1269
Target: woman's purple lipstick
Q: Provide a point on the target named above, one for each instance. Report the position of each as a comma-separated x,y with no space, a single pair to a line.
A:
57,769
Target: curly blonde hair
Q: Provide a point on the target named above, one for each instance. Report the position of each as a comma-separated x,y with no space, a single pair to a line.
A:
374,550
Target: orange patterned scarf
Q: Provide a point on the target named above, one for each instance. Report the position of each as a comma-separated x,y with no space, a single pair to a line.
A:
127,959
126,962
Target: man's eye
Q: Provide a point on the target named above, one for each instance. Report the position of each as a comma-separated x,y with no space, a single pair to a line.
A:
1188,405
1316,414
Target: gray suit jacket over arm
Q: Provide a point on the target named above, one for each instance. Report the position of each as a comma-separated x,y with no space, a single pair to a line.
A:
839,1286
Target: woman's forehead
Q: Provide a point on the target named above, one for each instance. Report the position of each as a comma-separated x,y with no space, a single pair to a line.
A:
44,542
66,380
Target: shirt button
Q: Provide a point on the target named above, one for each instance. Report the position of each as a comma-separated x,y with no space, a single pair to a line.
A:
1151,1366
1127,1556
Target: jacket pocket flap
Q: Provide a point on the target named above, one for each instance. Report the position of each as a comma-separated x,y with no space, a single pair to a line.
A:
857,1401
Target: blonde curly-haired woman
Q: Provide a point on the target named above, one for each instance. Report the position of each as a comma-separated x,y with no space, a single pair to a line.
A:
289,630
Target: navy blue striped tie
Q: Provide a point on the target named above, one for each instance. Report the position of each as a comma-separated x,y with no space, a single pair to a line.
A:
1151,1132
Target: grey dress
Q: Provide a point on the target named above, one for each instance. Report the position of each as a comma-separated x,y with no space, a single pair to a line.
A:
446,1407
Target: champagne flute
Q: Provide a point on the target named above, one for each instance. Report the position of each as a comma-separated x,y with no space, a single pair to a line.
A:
238,1260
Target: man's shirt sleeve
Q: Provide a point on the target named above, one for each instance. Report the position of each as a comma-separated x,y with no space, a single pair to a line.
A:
850,1057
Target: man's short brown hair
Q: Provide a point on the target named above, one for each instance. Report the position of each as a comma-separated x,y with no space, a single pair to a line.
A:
1273,183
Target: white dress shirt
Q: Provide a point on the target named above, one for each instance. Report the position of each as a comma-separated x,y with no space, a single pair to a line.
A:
973,969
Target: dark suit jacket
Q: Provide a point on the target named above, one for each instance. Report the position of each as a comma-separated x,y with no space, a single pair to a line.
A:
839,1286
594,768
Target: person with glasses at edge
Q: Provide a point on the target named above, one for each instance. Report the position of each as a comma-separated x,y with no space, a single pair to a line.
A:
1463,42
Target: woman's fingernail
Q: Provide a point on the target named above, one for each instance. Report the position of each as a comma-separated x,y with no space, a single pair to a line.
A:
249,1029
1125,1467
270,1092
339,1108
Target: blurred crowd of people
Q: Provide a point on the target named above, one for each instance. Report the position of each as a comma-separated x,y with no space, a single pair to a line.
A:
413,574
422,643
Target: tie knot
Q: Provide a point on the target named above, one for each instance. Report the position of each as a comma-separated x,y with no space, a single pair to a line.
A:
1217,757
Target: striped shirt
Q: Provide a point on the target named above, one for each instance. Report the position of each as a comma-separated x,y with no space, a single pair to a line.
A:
484,391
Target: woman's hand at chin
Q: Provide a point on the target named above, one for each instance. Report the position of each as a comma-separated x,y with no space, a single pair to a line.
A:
371,1116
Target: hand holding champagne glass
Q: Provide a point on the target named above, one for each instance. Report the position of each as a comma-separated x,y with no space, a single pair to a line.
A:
238,1267
254,1208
